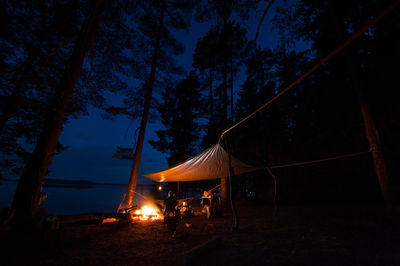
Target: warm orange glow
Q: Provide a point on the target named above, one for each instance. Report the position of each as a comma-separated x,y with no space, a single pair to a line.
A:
147,212
160,188
109,220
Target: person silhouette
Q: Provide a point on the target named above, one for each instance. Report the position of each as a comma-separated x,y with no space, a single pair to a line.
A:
170,204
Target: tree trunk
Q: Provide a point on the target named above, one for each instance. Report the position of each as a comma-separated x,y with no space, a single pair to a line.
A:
372,134
139,146
371,130
27,195
231,196
224,186
231,75
225,67
224,192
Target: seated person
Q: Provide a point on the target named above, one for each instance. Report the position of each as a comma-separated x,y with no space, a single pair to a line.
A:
186,209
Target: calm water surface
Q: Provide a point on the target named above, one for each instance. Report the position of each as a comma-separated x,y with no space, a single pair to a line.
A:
67,200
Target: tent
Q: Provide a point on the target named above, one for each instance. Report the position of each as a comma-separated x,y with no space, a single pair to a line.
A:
211,164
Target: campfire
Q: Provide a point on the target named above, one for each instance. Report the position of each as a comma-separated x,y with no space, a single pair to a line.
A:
147,213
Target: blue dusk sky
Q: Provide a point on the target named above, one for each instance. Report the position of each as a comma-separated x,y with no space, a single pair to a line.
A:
92,140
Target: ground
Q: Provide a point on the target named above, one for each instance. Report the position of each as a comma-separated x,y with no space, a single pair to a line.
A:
295,235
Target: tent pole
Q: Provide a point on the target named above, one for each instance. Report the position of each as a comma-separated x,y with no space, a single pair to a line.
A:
233,205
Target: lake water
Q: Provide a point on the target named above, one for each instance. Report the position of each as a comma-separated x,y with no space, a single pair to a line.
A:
68,200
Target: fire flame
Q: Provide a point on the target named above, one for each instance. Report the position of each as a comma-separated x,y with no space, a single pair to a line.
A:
147,212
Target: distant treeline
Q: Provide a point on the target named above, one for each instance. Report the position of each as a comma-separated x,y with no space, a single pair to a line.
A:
77,183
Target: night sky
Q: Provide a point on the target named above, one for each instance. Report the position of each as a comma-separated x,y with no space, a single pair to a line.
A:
92,140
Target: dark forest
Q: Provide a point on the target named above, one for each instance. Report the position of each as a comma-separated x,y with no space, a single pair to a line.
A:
321,121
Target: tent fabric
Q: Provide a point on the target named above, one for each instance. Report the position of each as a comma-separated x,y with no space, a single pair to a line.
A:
210,164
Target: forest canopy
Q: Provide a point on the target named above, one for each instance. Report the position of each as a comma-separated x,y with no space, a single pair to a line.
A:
62,58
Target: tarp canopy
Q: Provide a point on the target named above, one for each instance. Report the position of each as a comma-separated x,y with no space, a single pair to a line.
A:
210,164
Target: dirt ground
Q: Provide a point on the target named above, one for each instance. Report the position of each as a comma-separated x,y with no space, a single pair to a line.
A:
296,235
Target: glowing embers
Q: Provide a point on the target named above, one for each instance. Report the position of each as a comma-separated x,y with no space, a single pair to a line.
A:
147,213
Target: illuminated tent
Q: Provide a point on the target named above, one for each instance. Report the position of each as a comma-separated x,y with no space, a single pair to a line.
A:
210,164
